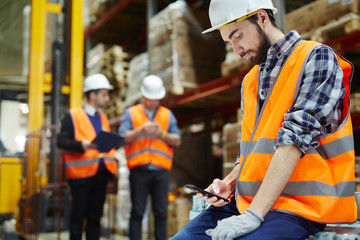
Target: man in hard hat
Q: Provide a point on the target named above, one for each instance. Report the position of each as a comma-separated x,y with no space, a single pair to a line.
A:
86,169
295,171
151,132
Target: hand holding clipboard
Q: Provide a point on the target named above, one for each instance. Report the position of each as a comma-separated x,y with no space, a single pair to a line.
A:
107,141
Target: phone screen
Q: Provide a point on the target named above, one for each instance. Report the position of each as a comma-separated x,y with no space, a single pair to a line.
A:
192,187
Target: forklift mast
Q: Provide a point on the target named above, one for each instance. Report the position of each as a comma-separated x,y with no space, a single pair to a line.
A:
42,182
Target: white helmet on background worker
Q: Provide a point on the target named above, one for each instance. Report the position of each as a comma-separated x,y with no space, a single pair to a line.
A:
96,81
152,87
222,12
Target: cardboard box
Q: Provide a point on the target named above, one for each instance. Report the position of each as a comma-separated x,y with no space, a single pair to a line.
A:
230,152
329,10
355,102
231,133
231,146
178,52
231,141
238,114
227,168
357,184
301,19
318,13
178,215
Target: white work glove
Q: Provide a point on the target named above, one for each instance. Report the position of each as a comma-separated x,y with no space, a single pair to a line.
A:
235,226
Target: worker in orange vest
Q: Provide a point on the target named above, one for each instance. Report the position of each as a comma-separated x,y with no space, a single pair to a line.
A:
295,171
151,132
87,170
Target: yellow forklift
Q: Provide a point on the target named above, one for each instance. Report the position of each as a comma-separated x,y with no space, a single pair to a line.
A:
42,188
10,186
10,175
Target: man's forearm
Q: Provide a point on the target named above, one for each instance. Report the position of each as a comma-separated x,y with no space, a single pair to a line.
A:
172,139
231,178
279,172
132,135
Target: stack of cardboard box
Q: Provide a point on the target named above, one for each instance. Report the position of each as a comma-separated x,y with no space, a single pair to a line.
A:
178,52
234,64
231,145
318,13
178,215
113,62
138,70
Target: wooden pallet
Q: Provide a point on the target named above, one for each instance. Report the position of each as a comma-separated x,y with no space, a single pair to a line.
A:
342,26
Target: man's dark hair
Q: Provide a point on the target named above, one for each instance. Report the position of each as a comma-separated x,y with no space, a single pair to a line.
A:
254,18
87,94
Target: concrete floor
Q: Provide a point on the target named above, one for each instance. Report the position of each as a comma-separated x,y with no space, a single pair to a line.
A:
65,236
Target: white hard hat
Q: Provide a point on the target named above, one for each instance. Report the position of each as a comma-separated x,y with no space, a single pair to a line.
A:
222,12
152,87
96,81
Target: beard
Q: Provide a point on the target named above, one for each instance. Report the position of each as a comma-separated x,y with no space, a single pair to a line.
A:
264,45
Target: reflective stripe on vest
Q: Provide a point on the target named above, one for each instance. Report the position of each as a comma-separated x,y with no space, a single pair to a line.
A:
86,164
322,185
149,149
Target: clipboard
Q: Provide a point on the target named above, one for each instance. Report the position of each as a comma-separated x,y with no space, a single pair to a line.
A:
107,141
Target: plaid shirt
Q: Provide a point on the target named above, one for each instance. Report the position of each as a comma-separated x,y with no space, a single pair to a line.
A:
317,109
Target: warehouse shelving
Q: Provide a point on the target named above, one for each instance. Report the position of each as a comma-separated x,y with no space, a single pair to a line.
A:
119,6
205,90
217,99
346,43
342,45
222,95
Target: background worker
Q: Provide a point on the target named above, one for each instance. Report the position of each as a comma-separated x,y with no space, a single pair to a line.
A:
296,166
151,131
86,169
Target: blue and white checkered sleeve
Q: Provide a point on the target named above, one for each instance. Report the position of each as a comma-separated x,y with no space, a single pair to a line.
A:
317,109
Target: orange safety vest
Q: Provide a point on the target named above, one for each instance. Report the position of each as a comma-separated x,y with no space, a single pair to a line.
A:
148,149
322,185
86,164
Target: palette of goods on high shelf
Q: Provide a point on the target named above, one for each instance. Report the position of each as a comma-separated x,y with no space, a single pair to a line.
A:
178,52
113,62
94,9
323,20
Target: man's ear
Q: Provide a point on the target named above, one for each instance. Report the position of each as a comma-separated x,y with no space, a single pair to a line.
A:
92,94
263,18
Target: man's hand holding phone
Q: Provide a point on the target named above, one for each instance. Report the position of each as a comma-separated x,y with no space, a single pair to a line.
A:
213,193
219,187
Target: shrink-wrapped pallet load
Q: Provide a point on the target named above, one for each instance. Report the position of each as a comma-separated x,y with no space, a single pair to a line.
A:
113,62
179,53
138,69
308,18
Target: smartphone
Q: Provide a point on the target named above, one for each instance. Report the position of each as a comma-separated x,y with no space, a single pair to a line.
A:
195,188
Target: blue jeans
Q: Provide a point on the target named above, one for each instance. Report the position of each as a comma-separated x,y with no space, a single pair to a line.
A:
276,225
